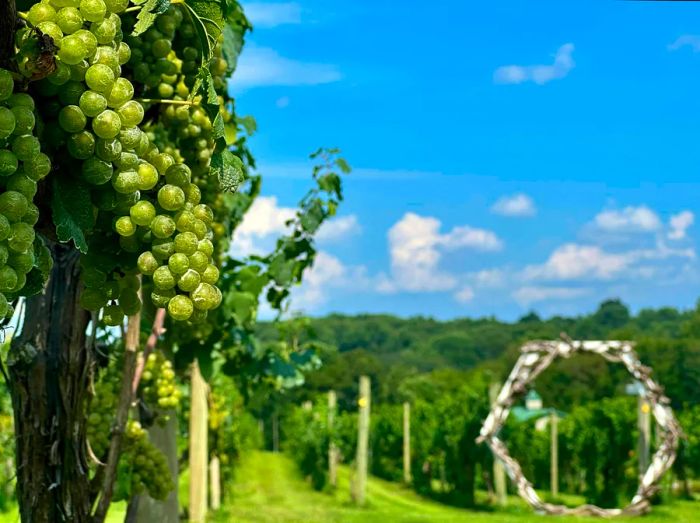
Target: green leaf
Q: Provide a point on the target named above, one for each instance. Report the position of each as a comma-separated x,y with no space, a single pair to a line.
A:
248,123
243,305
343,165
150,9
313,217
233,43
228,168
282,270
72,211
208,19
206,364
39,275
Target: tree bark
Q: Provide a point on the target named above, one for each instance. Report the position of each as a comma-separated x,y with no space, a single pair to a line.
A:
49,366
8,19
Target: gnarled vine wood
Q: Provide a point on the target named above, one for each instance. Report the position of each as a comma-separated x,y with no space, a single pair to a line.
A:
536,357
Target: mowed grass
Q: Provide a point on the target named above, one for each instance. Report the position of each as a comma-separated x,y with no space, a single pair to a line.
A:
269,489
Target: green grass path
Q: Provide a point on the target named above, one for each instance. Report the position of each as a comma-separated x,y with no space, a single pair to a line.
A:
269,489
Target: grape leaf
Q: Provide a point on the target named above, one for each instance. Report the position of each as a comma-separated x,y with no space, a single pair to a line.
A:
72,211
210,14
150,9
228,168
233,43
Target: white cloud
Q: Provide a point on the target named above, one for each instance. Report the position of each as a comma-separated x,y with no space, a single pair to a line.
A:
629,219
573,261
488,278
264,220
589,262
540,74
266,14
416,245
515,205
282,102
679,224
464,295
262,67
327,274
527,295
693,41
338,228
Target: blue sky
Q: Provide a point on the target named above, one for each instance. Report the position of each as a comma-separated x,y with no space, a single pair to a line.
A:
508,156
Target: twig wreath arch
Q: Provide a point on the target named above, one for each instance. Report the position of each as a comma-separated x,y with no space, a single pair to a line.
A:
535,357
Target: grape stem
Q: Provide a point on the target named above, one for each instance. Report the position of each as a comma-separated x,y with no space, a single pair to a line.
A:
165,101
131,345
156,332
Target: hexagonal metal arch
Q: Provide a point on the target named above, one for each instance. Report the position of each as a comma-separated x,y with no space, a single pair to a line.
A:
535,357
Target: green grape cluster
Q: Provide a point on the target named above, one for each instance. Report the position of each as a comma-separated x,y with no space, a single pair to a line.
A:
102,410
22,165
149,211
149,466
158,381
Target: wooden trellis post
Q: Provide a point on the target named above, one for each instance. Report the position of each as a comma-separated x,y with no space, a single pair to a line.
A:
499,473
215,480
332,450
644,425
554,454
407,443
199,461
360,483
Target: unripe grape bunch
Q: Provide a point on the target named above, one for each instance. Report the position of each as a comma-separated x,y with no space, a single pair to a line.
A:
22,165
149,215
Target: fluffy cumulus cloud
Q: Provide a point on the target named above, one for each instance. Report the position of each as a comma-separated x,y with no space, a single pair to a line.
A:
531,294
416,246
264,221
264,67
692,41
573,261
515,205
679,225
327,276
338,229
267,14
540,74
629,219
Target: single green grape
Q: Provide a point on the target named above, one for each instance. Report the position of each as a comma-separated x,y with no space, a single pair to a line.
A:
106,124
32,215
162,226
162,248
108,150
21,237
199,261
23,99
178,263
147,263
189,281
206,247
161,297
180,307
104,30
81,145
123,53
148,176
192,194
8,278
92,103
8,162
142,213
21,262
131,113
50,28
100,78
38,167
122,91
26,147
126,182
68,19
21,183
179,175
116,6
171,197
72,119
71,92
72,49
130,302
89,41
163,279
186,243
24,119
93,10
113,314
